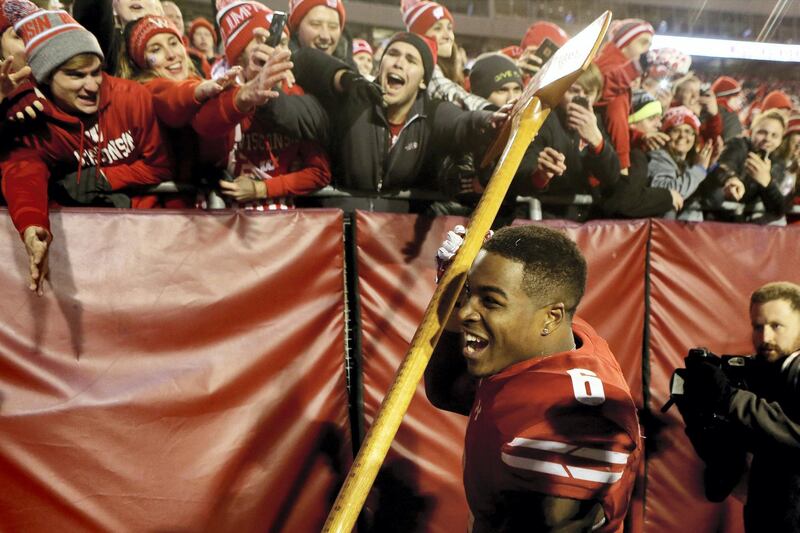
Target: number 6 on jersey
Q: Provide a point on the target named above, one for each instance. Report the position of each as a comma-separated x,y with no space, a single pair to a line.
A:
587,386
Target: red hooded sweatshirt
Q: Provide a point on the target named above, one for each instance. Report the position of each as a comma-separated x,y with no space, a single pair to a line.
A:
295,167
124,143
618,74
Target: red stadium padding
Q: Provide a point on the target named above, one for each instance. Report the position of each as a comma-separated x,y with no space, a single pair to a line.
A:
396,279
183,373
701,278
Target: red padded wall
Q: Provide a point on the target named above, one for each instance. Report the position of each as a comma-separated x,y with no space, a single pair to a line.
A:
701,278
183,372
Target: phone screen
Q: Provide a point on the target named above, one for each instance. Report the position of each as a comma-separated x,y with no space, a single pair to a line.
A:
546,50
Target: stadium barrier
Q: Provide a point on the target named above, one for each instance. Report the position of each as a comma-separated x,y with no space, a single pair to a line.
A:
191,371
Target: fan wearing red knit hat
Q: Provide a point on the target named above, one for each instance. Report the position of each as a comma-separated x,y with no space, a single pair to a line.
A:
730,101
679,166
434,21
269,169
620,62
105,145
203,38
362,55
384,135
196,114
526,54
320,24
776,100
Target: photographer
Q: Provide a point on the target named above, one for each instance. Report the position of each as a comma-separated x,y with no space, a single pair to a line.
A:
732,409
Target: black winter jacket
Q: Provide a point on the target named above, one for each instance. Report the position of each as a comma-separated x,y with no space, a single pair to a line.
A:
357,131
582,164
731,163
632,195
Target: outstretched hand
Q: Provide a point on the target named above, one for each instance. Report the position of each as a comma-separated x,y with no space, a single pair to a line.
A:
257,91
352,82
208,89
37,243
499,117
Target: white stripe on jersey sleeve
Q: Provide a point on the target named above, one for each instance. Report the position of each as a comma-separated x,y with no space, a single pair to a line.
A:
588,474
555,469
534,465
597,454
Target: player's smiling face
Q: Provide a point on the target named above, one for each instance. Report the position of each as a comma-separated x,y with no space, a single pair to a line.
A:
500,322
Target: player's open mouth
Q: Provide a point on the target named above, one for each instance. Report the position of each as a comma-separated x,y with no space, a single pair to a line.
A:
473,344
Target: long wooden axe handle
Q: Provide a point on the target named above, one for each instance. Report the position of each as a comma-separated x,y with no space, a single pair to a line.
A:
527,118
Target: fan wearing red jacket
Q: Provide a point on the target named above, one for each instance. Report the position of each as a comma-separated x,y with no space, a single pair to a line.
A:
197,115
268,167
620,63
101,145
553,440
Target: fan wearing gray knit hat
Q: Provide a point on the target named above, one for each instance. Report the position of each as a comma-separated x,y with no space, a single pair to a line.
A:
51,37
496,78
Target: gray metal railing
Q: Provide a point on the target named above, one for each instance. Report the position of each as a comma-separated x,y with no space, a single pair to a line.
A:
534,203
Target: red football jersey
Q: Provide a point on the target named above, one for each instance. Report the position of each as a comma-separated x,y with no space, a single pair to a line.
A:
564,425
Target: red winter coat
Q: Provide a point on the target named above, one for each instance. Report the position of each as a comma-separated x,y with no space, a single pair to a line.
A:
122,139
196,134
296,166
618,74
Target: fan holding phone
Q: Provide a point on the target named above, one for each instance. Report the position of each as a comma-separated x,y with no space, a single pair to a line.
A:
540,42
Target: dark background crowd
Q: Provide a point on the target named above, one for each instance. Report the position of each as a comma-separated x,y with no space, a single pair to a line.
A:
124,103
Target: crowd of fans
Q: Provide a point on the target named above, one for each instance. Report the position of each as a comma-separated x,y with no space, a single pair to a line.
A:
103,103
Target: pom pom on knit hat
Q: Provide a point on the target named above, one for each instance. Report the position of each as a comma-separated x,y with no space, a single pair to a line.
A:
776,100
643,105
141,31
298,9
360,46
668,63
678,115
237,20
541,30
725,86
202,22
490,72
425,46
420,15
622,32
51,37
